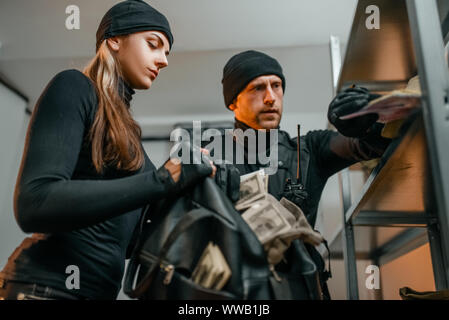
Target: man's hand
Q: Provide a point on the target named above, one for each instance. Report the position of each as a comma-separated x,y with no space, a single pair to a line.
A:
228,179
347,102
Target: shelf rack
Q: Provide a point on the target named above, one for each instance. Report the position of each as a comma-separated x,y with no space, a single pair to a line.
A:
409,188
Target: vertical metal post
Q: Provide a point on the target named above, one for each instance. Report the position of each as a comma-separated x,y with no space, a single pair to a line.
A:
436,250
334,44
378,293
434,79
348,245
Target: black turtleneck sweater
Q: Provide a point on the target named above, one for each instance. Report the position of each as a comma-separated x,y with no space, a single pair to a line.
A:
78,217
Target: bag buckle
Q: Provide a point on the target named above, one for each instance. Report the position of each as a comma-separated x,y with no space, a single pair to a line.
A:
275,274
169,269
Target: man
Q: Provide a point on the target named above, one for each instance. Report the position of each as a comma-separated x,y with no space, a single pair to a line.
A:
253,88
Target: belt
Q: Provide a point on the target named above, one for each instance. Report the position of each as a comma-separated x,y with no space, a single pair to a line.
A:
16,290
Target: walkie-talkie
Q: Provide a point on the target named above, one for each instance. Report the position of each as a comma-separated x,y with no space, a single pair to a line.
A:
295,191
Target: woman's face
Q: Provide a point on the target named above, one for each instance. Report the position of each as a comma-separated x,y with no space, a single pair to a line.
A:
141,56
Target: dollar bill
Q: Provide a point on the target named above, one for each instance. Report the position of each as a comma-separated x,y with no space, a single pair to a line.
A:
266,182
225,272
266,221
252,188
294,224
248,204
301,228
212,270
203,266
262,175
289,216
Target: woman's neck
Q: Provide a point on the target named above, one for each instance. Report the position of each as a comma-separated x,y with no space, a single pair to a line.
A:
125,91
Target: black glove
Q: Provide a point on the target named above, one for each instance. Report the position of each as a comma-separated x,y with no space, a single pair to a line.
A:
350,101
191,173
227,178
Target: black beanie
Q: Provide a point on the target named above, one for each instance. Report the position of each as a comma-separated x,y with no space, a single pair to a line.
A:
132,16
242,68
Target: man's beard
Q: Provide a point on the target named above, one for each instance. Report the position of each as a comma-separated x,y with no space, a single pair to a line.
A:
273,123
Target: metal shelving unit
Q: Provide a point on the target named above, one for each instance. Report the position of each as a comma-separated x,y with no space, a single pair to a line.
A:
409,188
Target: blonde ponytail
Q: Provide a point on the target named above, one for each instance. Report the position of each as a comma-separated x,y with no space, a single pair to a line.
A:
115,135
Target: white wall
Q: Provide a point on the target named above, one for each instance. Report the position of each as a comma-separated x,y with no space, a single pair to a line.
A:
191,84
13,122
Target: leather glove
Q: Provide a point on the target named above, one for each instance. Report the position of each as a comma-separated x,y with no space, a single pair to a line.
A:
191,173
227,178
350,101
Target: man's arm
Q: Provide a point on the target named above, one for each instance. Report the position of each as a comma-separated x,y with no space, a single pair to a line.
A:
334,152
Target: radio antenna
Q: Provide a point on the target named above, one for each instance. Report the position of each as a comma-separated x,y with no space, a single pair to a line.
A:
297,147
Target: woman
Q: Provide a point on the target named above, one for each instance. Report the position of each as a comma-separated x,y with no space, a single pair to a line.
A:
85,176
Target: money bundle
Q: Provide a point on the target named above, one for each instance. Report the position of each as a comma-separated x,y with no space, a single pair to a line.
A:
253,187
275,223
212,270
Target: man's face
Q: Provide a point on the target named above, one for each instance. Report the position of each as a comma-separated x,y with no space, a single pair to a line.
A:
259,105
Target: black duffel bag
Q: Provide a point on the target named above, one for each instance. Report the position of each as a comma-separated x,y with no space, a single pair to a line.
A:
171,244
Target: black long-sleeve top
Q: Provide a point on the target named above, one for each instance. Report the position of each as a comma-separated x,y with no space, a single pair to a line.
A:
78,217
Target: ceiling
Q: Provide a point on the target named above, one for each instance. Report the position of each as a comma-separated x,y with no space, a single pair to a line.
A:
36,29
35,45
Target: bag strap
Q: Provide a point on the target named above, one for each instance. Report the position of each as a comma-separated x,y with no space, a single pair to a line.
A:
140,289
326,273
132,265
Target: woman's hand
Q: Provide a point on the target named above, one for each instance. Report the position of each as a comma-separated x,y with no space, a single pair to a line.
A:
214,168
174,167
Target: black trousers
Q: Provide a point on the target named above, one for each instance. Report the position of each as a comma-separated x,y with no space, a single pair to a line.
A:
14,290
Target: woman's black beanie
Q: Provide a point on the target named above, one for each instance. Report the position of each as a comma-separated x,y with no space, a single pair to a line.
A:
132,16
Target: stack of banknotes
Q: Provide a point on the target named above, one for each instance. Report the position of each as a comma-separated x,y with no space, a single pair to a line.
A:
275,223
212,271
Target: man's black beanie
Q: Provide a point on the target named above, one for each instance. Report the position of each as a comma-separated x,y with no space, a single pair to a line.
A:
132,16
244,67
